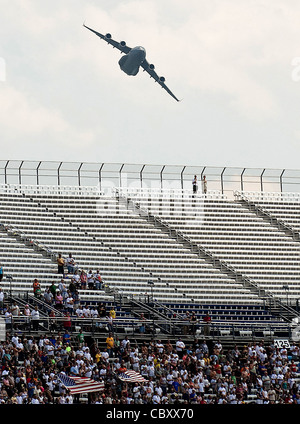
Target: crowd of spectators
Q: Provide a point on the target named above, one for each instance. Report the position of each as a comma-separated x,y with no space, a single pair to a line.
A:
175,373
184,371
80,278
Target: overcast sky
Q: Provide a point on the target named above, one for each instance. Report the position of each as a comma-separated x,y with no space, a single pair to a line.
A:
234,63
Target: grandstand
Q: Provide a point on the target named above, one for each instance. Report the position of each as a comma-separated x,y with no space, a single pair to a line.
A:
160,250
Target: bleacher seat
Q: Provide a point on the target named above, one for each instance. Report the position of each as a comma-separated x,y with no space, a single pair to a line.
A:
103,233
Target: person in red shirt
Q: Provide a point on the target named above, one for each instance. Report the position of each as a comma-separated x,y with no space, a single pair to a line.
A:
67,322
207,322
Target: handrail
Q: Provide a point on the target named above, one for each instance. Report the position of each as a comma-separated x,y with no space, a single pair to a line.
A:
28,241
96,327
225,179
282,225
194,247
65,190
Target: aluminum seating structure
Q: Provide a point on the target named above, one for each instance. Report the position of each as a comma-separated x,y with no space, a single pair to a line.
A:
101,233
282,206
247,242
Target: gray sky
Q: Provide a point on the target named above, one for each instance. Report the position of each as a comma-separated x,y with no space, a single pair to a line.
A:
234,63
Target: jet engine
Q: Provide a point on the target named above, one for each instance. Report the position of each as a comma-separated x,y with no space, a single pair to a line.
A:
162,79
108,36
151,66
122,43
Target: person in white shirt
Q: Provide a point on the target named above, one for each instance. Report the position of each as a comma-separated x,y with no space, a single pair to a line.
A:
15,339
35,400
1,299
70,262
76,278
156,399
8,318
87,312
87,354
94,313
179,347
70,304
159,346
80,312
90,279
35,316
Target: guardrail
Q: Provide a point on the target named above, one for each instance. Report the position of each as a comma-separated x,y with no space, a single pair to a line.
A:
100,327
28,241
225,179
250,203
263,294
47,190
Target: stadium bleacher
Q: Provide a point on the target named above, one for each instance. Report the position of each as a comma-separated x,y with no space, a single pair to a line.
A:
149,268
233,233
101,232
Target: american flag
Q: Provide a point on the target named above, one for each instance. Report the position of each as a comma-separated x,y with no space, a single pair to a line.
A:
80,384
131,376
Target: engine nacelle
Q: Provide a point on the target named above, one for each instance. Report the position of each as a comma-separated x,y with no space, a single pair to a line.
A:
151,66
108,36
162,79
122,43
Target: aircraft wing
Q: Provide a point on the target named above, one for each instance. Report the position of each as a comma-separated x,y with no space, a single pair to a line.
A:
161,80
118,45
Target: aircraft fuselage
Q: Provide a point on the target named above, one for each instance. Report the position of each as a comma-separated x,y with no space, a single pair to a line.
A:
130,62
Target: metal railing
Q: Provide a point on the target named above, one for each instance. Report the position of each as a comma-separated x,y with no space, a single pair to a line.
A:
267,296
258,209
154,327
107,175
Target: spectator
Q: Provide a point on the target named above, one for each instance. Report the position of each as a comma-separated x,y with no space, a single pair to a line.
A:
70,262
110,322
52,321
193,322
102,310
63,289
15,312
37,288
70,303
204,183
207,322
53,289
1,272
35,316
59,301
98,280
90,279
76,278
1,300
112,312
67,322
80,338
66,336
110,344
27,314
60,264
168,375
83,280
180,346
142,324
186,326
195,185
8,318
48,297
